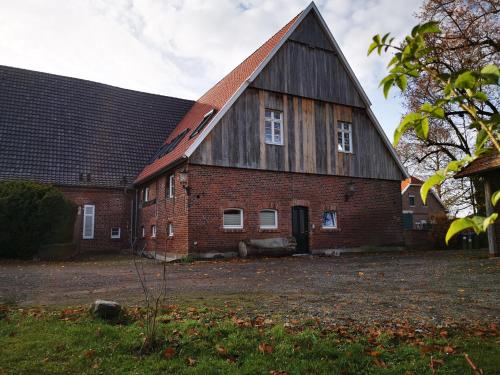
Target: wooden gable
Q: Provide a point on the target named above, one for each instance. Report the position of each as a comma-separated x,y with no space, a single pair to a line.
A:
308,65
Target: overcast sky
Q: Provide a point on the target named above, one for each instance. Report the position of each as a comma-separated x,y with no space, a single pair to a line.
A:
182,47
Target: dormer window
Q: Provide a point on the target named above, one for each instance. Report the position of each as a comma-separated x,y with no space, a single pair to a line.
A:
273,131
168,147
203,123
345,137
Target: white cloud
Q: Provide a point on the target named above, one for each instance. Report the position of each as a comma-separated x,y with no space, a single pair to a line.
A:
182,47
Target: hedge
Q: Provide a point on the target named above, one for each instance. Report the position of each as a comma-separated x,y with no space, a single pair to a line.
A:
33,215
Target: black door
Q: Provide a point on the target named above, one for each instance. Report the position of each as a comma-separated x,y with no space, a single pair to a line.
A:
300,228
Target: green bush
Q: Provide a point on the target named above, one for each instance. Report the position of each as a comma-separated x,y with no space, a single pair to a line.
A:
32,215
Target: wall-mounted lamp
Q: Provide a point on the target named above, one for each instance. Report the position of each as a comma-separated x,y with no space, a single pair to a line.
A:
351,189
183,179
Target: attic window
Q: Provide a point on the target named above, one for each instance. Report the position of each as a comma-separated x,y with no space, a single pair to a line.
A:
202,124
166,148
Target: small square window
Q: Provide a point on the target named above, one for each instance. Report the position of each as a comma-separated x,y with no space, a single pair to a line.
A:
233,218
115,232
170,229
273,127
411,199
153,231
329,220
268,219
145,197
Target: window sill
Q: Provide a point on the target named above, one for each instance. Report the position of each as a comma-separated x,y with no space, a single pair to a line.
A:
148,203
233,230
346,152
274,144
322,229
269,230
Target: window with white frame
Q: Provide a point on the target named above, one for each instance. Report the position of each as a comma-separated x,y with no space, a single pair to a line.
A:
411,199
329,220
143,231
233,218
273,130
145,196
88,221
153,231
171,185
268,219
345,137
115,232
170,229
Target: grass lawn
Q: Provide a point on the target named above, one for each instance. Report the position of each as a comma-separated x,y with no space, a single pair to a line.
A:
221,340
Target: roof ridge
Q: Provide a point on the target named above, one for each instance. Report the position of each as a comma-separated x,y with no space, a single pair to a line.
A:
90,81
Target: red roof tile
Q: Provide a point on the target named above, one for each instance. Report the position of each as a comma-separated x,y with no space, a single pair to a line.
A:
215,98
411,180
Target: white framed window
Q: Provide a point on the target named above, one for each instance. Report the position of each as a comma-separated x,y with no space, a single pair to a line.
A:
411,200
115,232
329,220
170,229
344,137
88,221
268,219
273,127
233,218
153,231
145,197
143,231
171,185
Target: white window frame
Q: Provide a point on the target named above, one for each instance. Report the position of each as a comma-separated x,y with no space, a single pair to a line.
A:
414,200
229,226
273,121
153,231
115,236
335,225
344,133
171,186
85,218
146,194
143,231
275,226
170,228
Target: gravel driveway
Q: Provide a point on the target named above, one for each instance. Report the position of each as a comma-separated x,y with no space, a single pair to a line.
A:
432,287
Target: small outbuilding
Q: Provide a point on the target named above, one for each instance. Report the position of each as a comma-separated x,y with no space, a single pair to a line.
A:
488,169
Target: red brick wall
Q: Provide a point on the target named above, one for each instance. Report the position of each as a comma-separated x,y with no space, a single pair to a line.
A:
160,212
372,216
112,209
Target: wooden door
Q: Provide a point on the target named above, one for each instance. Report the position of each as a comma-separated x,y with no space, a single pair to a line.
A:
300,228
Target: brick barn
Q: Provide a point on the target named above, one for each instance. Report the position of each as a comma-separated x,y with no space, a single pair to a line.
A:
284,145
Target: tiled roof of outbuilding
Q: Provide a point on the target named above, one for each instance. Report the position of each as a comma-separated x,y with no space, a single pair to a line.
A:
482,164
58,129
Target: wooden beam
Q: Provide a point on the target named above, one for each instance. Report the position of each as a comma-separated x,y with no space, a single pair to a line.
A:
492,243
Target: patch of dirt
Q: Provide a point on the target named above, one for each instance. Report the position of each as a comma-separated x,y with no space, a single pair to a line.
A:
429,287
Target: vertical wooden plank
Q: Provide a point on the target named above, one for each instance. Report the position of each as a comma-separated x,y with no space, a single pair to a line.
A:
328,139
262,144
298,143
285,133
291,133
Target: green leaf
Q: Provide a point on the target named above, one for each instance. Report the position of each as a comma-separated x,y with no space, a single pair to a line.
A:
435,179
402,82
490,220
387,87
372,47
491,73
434,111
495,197
429,27
457,226
422,127
465,81
393,61
481,96
481,138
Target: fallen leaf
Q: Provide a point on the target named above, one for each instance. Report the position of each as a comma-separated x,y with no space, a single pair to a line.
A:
265,348
89,353
443,334
191,361
274,372
448,349
169,352
221,350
